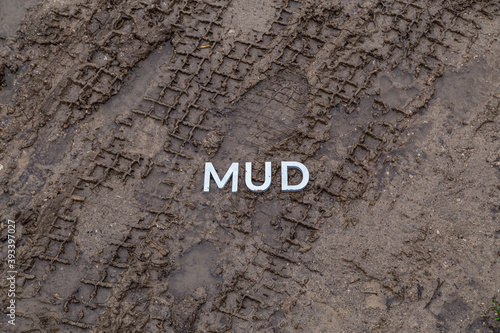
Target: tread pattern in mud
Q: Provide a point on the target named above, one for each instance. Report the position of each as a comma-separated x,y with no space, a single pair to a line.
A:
339,56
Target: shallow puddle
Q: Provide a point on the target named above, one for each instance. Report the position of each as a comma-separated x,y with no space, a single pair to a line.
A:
11,13
196,267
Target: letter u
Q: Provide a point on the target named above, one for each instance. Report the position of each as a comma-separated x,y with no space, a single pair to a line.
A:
267,178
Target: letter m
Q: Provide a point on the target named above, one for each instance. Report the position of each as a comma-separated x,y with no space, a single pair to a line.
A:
231,172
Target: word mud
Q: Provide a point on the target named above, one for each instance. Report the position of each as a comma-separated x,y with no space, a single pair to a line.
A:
232,173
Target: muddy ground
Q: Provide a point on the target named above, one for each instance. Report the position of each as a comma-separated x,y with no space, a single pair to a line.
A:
109,110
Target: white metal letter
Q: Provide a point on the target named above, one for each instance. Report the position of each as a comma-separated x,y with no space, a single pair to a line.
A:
231,172
284,176
267,178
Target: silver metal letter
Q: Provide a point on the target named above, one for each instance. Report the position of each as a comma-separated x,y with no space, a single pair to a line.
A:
231,172
267,178
284,176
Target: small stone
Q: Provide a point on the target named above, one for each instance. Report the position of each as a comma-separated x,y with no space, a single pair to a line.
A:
78,198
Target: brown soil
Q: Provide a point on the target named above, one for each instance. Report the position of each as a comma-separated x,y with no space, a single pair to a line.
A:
110,109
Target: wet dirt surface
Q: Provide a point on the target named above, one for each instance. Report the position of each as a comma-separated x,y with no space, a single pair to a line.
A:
110,109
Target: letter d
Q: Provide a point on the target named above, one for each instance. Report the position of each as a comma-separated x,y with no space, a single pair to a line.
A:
284,176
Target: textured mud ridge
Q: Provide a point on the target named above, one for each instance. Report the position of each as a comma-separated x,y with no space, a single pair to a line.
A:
110,110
